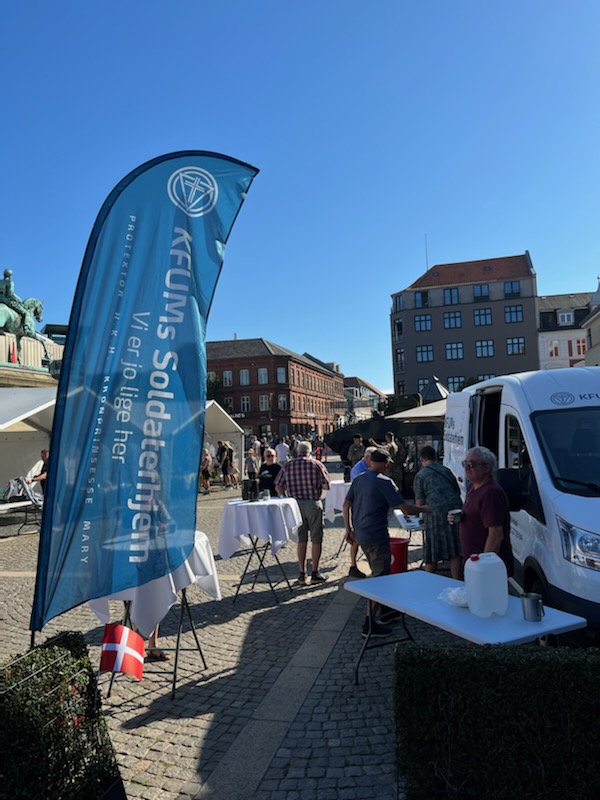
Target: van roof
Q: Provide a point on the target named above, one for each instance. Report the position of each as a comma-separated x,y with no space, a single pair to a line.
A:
552,388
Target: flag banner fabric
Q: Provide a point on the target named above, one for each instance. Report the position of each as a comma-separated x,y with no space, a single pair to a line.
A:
122,651
120,501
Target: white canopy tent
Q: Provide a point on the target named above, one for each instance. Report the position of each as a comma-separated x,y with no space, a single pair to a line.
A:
27,414
219,426
432,412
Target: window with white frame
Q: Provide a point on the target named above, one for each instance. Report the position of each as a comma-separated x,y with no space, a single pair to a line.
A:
553,348
244,377
282,402
228,401
211,376
263,375
581,347
565,318
227,377
245,403
263,402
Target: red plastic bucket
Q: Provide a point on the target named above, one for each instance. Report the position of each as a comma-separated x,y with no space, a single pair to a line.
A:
399,549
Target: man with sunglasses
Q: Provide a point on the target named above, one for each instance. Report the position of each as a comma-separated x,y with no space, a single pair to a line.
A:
485,519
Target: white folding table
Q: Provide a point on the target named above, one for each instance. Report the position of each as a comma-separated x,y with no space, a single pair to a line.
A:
416,593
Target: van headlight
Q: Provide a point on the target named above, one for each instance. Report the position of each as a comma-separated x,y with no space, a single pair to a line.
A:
579,546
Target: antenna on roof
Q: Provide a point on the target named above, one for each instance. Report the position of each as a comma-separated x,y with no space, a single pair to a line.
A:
426,256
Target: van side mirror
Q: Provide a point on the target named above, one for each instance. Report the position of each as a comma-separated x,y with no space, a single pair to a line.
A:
511,483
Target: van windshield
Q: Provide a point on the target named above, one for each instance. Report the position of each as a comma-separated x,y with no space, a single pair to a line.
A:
570,442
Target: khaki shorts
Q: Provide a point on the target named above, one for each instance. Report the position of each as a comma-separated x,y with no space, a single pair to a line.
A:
311,512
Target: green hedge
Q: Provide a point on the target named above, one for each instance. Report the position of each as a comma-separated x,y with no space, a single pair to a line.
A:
56,741
497,723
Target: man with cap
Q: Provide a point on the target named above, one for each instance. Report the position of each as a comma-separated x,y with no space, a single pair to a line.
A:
366,507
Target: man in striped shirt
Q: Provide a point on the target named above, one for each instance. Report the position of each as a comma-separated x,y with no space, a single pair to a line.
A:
305,479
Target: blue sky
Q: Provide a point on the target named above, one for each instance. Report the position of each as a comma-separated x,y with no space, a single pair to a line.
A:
474,123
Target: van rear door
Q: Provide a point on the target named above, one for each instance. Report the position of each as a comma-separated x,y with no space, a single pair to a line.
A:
457,434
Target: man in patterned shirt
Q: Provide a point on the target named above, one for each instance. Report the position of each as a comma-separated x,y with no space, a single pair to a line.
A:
304,479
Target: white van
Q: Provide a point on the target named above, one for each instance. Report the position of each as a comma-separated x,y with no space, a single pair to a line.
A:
545,429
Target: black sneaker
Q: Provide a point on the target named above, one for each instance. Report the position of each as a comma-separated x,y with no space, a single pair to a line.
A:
302,578
376,629
390,616
354,572
316,577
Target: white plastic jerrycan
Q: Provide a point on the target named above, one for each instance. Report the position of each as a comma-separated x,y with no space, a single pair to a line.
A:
486,584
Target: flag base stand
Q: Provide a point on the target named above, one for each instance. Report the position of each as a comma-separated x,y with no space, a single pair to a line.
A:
185,607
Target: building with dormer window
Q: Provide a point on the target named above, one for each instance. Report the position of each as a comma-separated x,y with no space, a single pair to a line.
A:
465,321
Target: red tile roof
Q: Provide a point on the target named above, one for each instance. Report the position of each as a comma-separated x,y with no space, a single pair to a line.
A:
489,269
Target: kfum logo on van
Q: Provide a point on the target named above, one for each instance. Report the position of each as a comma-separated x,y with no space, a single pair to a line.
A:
562,398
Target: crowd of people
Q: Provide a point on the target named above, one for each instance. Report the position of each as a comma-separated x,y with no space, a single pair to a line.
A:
293,467
222,465
483,524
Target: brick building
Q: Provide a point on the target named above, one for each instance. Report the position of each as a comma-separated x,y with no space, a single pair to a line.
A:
272,391
470,320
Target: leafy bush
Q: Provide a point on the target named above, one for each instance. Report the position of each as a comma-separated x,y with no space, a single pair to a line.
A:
57,744
497,723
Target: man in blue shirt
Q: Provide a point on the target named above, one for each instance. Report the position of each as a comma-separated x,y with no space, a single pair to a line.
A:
362,465
366,509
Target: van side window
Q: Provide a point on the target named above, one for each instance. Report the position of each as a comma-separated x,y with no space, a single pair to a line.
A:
517,457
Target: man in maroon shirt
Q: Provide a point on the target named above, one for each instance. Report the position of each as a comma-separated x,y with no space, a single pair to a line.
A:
485,519
304,478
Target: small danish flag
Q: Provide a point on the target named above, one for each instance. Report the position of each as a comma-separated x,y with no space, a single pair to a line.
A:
122,651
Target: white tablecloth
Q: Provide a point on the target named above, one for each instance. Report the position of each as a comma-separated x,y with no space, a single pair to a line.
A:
275,520
334,498
151,602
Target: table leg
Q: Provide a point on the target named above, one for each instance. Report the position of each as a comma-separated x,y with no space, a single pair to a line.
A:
370,621
184,606
260,554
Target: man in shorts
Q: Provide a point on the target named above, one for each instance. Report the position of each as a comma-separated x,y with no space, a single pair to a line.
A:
368,502
305,479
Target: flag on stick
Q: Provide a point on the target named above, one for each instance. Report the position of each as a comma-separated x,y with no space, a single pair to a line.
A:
122,651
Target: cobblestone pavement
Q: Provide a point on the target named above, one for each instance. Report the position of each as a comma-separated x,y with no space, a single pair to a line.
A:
276,713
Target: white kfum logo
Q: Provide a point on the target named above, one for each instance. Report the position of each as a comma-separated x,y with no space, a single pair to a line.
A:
193,190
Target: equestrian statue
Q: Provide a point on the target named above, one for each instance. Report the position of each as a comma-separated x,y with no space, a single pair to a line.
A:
19,316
